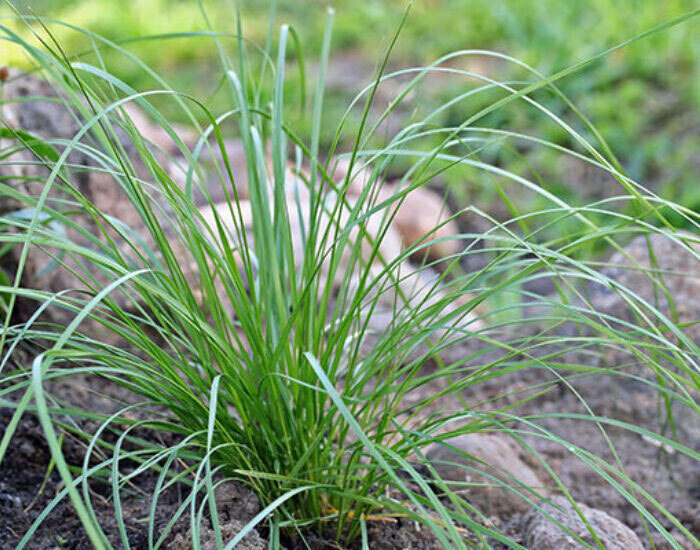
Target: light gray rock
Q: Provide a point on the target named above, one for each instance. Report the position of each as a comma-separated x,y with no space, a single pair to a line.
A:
671,263
542,533
664,273
207,538
236,505
493,455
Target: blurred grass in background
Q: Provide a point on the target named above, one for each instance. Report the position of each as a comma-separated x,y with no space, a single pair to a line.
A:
644,99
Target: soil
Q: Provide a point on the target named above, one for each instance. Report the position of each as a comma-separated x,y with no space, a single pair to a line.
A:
29,483
24,494
672,478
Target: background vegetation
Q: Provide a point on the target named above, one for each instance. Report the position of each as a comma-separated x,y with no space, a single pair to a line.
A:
641,98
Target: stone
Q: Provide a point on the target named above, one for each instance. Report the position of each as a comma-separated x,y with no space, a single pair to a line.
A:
56,120
491,454
423,216
419,285
678,265
52,120
207,538
542,533
235,501
59,120
236,505
360,178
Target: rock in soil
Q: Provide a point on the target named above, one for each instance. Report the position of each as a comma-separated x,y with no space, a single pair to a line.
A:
665,274
542,533
235,501
673,266
207,538
422,215
55,120
493,455
403,534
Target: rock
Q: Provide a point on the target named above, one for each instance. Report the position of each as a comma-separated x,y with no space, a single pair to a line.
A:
542,533
235,501
502,460
419,285
51,120
418,216
55,120
236,505
59,120
42,118
361,175
156,134
207,538
678,267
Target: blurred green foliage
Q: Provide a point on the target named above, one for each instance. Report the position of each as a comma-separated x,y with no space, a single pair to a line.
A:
644,98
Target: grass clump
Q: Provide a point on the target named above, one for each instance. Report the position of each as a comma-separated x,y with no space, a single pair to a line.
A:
249,321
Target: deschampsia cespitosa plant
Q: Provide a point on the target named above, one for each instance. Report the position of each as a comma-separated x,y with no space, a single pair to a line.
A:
273,326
